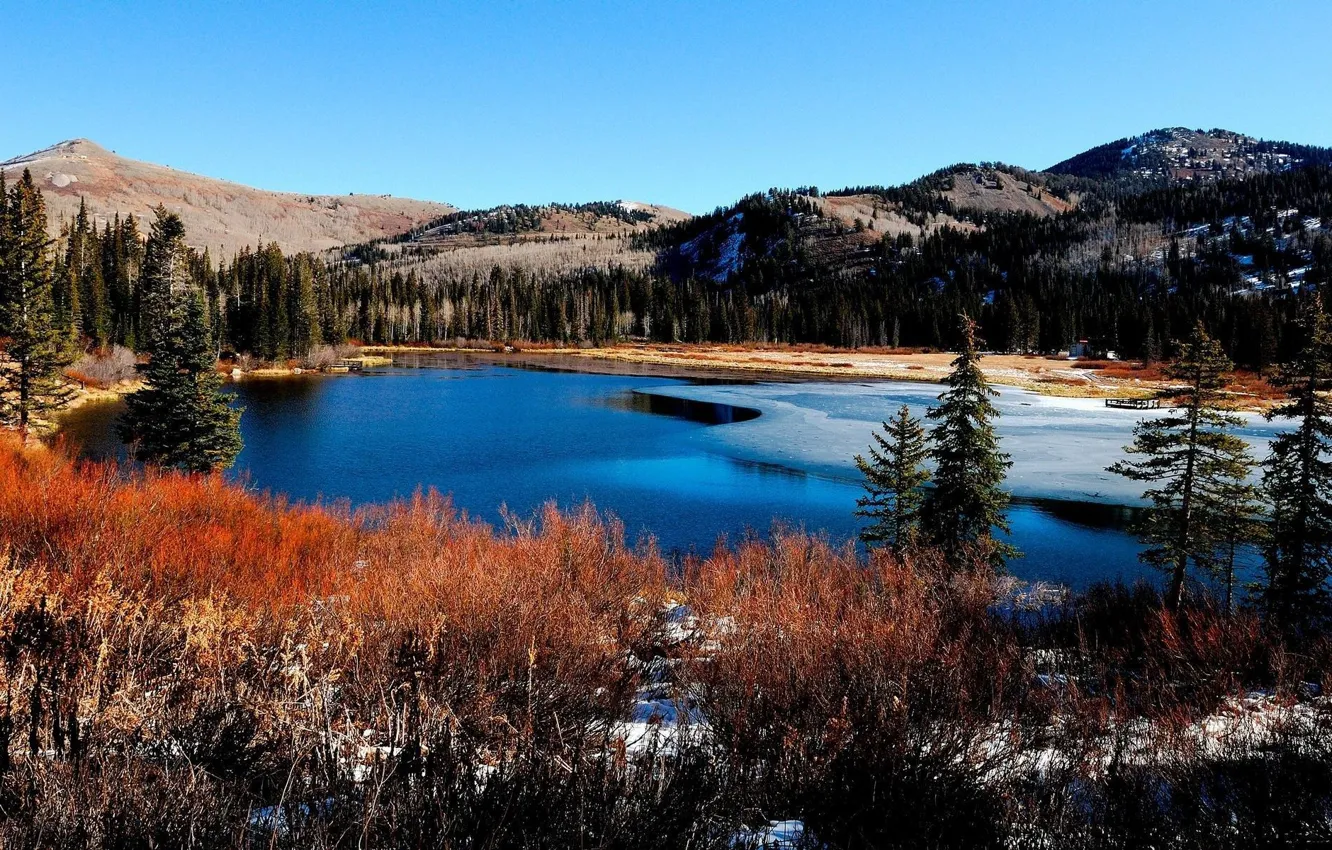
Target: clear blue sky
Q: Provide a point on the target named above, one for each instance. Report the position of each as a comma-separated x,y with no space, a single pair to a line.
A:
686,104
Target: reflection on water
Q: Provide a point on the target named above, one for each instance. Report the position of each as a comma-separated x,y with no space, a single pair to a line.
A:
707,412
1088,514
90,430
493,436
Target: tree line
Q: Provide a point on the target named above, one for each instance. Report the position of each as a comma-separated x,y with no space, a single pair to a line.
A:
179,418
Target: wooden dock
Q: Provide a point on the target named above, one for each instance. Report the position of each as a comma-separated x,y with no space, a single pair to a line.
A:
356,364
1134,403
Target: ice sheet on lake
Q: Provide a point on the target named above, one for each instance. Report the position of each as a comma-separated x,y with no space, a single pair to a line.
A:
1060,446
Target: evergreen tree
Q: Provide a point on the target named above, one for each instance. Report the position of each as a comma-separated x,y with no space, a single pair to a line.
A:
36,351
893,478
968,500
1195,464
180,418
1298,482
1239,521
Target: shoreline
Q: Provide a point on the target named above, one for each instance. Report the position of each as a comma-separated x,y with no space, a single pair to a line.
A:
1048,377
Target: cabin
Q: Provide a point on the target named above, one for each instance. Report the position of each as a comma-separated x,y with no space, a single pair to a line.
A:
1091,349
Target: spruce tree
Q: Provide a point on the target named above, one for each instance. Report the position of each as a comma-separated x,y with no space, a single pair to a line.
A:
893,477
1297,479
1195,465
1239,521
968,500
181,417
36,351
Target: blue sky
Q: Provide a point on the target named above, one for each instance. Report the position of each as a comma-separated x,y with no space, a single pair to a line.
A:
686,104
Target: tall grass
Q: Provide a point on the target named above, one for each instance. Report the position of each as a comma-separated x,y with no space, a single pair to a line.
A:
184,663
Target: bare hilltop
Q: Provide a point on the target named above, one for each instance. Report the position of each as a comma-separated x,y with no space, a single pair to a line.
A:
218,215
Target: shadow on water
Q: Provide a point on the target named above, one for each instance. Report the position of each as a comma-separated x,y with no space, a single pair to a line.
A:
1093,515
773,470
573,364
90,430
706,412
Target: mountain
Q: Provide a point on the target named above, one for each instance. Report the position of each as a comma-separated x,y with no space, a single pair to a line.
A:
1178,154
843,230
219,215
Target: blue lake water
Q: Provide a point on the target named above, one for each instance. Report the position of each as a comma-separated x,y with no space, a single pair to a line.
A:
688,463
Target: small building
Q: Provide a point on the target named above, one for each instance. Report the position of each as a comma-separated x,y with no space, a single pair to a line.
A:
1092,349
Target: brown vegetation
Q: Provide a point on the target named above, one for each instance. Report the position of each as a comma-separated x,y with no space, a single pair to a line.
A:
189,664
105,368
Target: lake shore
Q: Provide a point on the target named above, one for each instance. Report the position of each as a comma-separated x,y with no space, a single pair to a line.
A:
1046,376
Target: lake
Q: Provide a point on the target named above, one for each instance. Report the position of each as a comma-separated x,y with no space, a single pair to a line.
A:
686,461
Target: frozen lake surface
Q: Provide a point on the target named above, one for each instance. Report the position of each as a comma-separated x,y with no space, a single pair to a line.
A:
1060,447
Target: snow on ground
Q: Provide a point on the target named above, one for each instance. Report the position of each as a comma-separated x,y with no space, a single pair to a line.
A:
777,834
729,260
729,257
1060,447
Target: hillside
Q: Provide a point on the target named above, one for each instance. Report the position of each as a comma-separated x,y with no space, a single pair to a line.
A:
219,215
842,231
1178,154
502,224
538,239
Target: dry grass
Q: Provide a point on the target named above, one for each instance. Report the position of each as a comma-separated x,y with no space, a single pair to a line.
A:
105,368
179,654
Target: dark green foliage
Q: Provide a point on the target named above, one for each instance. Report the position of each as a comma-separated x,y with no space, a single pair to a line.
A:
968,500
894,476
1297,480
35,350
511,219
180,418
1197,468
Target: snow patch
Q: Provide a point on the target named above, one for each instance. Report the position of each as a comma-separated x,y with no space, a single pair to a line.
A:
777,834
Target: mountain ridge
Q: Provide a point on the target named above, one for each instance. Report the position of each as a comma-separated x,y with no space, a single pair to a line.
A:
220,215
1183,154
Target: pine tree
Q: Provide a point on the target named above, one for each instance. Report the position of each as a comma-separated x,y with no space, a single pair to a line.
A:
1239,521
304,308
968,500
893,478
1195,464
36,351
180,418
1297,480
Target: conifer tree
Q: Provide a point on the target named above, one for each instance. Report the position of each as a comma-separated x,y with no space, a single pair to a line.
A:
1195,465
65,289
893,477
92,298
180,418
1239,521
36,351
968,500
1297,480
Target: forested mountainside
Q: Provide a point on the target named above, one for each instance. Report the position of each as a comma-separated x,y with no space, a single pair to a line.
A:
1127,261
466,227
1181,154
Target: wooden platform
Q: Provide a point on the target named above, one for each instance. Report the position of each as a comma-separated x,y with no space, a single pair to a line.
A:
1134,403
